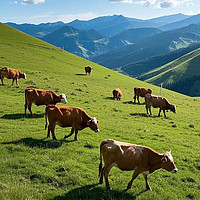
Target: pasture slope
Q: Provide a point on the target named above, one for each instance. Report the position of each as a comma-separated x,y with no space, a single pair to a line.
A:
29,161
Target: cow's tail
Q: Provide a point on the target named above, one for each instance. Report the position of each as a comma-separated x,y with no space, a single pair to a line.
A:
100,164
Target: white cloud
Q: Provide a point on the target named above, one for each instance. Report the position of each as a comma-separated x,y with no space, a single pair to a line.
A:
52,17
33,1
156,3
121,1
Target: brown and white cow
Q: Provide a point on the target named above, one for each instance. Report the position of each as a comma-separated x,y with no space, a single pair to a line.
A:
13,74
158,102
42,97
128,157
66,116
117,94
88,70
140,92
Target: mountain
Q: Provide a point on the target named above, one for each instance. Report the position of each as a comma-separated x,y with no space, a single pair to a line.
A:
138,69
37,30
158,44
181,75
112,25
179,24
89,44
106,25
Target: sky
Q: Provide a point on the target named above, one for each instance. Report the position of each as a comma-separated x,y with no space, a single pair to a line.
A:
43,11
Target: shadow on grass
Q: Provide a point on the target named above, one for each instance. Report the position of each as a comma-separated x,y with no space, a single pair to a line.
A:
40,143
131,102
20,116
139,114
110,98
93,192
80,74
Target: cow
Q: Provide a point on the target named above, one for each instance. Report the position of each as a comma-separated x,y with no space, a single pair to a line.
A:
66,116
42,97
13,74
88,70
129,157
140,92
117,94
158,102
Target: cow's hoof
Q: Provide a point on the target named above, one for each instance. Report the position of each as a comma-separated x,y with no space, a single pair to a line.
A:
128,187
109,188
148,189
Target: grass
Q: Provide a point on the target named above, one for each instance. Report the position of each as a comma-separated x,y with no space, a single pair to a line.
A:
30,162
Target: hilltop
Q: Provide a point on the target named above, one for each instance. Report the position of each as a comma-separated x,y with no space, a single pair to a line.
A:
30,161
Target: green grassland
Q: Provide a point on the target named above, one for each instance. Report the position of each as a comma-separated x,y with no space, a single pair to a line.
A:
29,161
178,74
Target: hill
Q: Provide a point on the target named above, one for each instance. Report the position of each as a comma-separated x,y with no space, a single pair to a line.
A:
137,69
30,162
181,75
158,44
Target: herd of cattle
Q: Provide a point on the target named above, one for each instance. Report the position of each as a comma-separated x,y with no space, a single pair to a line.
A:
125,156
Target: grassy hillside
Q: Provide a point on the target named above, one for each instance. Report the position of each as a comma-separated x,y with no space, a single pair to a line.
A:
181,75
29,161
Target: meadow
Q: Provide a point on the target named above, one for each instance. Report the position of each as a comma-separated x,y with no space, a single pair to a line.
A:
30,162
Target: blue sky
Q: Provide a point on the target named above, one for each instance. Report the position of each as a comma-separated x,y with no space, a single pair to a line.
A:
42,11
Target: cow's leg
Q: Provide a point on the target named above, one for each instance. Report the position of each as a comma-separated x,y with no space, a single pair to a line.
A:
138,99
146,182
48,131
150,110
29,108
105,173
147,109
135,174
17,82
159,112
164,113
13,81
134,98
25,106
52,129
76,133
101,176
72,131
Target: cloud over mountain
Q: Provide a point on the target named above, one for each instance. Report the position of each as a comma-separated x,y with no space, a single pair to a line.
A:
33,1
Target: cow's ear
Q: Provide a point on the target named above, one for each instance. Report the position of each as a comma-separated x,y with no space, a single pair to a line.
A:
97,121
164,159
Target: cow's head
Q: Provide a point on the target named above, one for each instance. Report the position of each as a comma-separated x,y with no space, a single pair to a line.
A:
93,124
23,75
173,108
63,98
168,163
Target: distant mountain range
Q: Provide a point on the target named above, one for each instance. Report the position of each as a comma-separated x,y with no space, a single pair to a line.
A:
158,44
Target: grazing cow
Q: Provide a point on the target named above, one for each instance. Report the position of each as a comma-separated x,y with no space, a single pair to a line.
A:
66,116
88,70
158,102
42,97
140,92
13,74
128,157
117,94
